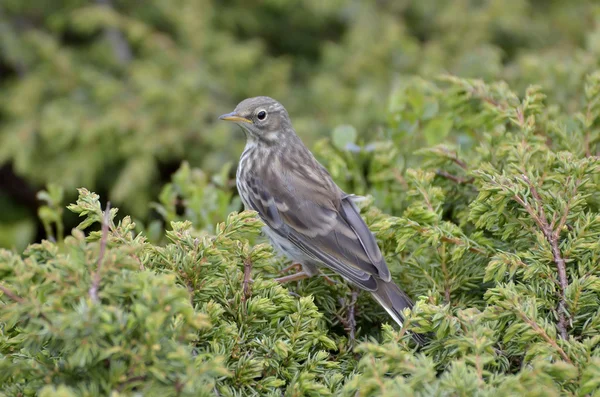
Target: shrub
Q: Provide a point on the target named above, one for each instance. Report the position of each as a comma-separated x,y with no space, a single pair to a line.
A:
107,95
496,232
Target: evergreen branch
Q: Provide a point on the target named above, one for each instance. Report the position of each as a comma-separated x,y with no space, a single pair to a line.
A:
96,277
8,292
520,117
119,237
376,376
541,332
426,198
349,322
477,360
454,178
247,274
404,328
133,379
552,236
11,294
446,275
457,241
479,91
459,162
446,239
454,157
400,178
351,319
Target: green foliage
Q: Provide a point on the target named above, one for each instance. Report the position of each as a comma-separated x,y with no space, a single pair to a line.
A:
114,97
499,242
482,189
204,202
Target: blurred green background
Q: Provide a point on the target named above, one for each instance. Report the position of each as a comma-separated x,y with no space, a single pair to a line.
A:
114,94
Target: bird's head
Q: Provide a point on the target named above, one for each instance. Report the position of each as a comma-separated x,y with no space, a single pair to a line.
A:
262,118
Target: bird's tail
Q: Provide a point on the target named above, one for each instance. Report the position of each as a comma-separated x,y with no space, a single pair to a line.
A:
393,300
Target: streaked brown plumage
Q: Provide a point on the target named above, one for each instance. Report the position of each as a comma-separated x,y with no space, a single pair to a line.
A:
307,216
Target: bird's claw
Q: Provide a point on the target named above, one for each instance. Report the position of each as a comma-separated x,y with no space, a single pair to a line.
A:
328,279
293,266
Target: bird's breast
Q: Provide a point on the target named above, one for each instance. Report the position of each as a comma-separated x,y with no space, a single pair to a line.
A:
251,162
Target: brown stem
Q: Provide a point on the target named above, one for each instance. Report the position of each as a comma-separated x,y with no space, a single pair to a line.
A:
400,178
460,163
426,198
454,157
349,322
294,266
247,275
132,379
8,292
446,276
552,236
460,242
11,294
103,240
520,117
351,319
541,332
454,178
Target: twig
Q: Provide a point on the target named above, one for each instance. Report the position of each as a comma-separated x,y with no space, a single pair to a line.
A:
455,241
457,179
96,277
540,331
179,386
446,276
6,291
552,236
400,178
520,116
459,162
427,201
460,242
349,322
11,294
247,280
132,379
293,266
480,93
351,318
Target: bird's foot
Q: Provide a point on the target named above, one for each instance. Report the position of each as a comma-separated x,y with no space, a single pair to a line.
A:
349,321
292,277
328,279
301,275
293,266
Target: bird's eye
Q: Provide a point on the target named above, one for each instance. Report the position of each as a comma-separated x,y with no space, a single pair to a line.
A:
261,115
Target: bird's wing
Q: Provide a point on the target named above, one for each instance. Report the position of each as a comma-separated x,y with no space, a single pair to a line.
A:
314,214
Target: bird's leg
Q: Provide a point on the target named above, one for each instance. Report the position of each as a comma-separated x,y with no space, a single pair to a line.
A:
328,279
292,277
247,278
351,319
295,266
302,273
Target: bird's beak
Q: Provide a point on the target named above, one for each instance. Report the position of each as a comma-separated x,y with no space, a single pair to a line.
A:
234,117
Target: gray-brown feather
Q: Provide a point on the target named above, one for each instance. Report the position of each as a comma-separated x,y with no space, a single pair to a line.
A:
296,198
308,217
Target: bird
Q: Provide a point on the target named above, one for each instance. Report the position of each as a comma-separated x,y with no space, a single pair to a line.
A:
308,217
